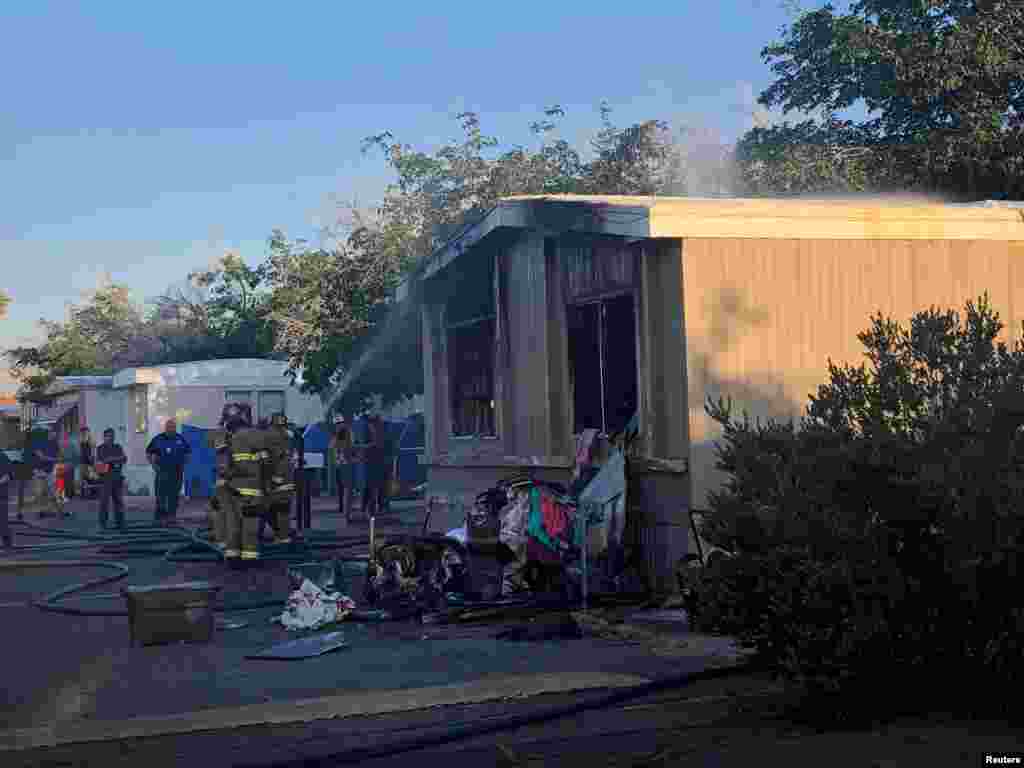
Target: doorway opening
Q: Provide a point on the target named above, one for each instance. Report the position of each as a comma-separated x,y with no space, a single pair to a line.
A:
603,363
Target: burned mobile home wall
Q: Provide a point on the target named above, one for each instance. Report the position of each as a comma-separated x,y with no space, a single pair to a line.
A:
584,330
746,299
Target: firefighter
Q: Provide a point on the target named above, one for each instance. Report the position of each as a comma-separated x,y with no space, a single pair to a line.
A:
252,486
281,486
232,418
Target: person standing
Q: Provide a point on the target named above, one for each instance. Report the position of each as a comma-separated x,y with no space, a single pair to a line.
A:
374,460
47,456
342,445
281,488
25,470
110,461
168,453
6,483
86,459
251,486
226,517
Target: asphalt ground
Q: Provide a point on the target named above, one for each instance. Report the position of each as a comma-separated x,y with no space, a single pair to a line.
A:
82,696
68,669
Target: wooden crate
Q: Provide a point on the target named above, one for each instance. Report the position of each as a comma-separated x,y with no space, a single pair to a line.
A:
169,613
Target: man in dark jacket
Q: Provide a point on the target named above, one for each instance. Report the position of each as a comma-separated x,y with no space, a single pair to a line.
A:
375,461
168,453
111,460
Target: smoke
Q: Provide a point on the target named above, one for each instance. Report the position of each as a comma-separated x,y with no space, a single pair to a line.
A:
702,160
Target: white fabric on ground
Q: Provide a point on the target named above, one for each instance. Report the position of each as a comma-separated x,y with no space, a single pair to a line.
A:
310,607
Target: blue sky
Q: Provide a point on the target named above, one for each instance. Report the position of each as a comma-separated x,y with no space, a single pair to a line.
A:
143,139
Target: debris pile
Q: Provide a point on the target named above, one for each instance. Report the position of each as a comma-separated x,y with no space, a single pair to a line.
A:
524,540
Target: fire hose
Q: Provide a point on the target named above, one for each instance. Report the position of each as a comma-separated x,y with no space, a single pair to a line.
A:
175,540
175,544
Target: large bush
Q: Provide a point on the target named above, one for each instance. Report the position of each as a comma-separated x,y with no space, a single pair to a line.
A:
875,546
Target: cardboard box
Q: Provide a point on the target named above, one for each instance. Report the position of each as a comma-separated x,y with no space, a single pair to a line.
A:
168,613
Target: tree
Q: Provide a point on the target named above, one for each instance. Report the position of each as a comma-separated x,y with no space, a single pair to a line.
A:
237,308
5,302
221,312
94,339
943,85
324,300
812,157
327,301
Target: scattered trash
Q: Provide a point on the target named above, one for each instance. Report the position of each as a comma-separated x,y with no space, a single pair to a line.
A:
311,607
303,648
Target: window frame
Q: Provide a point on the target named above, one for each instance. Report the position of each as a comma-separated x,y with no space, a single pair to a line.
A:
451,350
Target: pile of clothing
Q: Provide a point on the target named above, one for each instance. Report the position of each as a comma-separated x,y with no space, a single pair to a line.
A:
545,525
312,607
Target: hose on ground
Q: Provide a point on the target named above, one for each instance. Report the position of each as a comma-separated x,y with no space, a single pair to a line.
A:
450,735
172,543
147,540
179,542
50,602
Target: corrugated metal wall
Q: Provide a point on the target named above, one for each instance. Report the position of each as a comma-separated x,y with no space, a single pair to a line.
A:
764,316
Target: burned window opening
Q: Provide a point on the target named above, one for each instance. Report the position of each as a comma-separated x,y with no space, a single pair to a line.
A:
471,366
603,363
471,331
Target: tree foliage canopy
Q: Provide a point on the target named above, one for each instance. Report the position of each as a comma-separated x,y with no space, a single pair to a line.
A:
327,300
943,85
224,313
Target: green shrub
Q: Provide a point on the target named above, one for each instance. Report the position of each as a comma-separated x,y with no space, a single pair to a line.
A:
878,542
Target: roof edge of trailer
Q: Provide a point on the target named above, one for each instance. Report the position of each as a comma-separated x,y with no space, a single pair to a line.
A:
795,218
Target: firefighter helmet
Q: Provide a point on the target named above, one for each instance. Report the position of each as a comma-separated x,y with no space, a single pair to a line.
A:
236,415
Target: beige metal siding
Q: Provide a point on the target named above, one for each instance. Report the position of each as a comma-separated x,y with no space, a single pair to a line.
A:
763,317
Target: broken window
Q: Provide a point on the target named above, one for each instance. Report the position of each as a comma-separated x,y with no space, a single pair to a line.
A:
470,321
603,364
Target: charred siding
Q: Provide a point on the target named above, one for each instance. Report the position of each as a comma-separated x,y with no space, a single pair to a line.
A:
596,267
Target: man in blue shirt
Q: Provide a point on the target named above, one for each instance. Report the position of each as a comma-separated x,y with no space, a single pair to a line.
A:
168,453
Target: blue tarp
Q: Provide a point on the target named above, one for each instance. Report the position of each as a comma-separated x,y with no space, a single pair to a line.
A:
201,469
317,437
